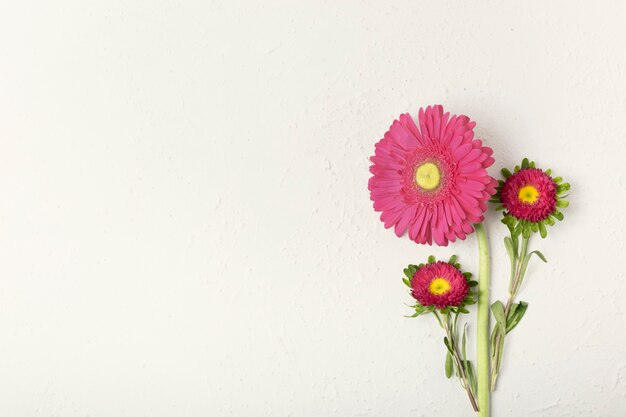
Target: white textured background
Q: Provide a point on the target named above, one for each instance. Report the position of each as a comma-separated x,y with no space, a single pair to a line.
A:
185,228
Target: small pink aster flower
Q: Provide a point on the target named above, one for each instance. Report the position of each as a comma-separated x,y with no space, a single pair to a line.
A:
439,284
531,199
529,194
431,180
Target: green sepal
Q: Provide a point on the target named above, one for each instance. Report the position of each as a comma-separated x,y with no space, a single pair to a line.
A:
562,203
506,173
431,259
525,163
563,187
542,230
452,260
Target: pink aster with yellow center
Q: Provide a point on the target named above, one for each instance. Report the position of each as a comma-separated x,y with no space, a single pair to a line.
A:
531,199
529,194
439,284
431,180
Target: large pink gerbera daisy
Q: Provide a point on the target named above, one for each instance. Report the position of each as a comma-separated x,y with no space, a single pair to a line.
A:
431,180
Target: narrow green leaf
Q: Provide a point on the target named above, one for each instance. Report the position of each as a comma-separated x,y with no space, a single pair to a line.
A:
469,368
463,341
516,316
508,244
540,255
448,365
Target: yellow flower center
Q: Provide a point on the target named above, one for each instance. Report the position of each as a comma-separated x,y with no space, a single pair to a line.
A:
427,176
528,194
439,286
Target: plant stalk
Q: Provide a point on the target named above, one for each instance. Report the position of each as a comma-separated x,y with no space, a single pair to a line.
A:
514,286
457,358
482,343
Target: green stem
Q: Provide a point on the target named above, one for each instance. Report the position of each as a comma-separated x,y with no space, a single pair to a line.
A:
514,285
482,344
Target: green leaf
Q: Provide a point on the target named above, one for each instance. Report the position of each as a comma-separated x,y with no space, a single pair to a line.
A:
516,315
448,365
508,244
542,230
469,369
447,343
497,347
539,254
498,312
463,341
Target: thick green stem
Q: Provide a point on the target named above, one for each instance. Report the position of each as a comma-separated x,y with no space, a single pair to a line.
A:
482,343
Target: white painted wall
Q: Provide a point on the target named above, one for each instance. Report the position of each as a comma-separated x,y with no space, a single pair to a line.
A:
185,228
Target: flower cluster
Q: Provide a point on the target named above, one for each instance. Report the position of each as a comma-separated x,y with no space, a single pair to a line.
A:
430,179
